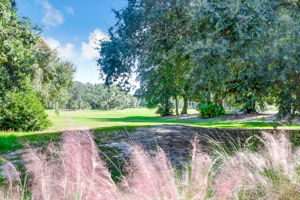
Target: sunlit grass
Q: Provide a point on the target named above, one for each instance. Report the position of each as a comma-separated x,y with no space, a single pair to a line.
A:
95,119
129,119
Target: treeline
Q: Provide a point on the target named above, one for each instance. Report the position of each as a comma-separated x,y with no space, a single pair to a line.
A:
242,52
32,77
100,97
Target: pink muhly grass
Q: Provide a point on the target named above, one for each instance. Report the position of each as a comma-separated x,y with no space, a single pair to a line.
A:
196,176
271,173
150,178
85,173
278,152
228,179
79,173
76,172
13,190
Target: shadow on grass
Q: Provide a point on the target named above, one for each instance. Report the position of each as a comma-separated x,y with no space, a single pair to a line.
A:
228,124
12,142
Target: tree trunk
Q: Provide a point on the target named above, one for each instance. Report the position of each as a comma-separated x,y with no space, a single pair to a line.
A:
185,105
167,109
176,105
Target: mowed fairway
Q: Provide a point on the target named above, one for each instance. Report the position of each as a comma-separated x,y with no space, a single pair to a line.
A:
114,119
118,119
133,118
126,120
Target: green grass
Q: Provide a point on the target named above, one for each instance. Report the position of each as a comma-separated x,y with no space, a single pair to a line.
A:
9,143
105,121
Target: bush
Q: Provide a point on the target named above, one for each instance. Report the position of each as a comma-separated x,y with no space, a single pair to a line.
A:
165,110
22,112
209,110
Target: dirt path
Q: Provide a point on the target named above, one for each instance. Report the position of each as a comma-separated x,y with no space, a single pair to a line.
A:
175,140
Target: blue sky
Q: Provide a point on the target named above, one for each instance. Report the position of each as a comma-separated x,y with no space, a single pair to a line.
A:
72,27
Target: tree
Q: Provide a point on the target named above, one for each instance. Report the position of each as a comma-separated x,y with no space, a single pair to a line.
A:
235,53
208,51
140,41
26,63
98,96
284,55
52,76
17,38
20,108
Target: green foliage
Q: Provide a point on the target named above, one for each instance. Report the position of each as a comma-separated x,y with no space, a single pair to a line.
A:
98,96
162,69
27,62
208,110
17,37
159,90
52,77
22,111
209,51
165,110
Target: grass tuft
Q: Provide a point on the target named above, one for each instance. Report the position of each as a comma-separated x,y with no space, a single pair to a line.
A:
9,143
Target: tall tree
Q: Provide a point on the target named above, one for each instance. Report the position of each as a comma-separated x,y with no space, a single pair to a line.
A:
149,46
98,96
52,77
31,75
210,51
20,108
17,37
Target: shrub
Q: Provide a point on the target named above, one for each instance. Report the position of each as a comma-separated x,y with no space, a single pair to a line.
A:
209,110
22,111
165,110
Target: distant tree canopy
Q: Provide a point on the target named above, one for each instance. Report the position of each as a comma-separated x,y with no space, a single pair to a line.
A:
99,96
244,52
32,77
52,77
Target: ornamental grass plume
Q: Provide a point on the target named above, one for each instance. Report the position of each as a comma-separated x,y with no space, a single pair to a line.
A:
12,189
270,173
194,182
150,178
76,172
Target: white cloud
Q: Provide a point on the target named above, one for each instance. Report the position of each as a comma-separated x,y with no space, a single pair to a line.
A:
84,58
53,44
52,17
87,71
67,51
69,10
89,51
64,51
